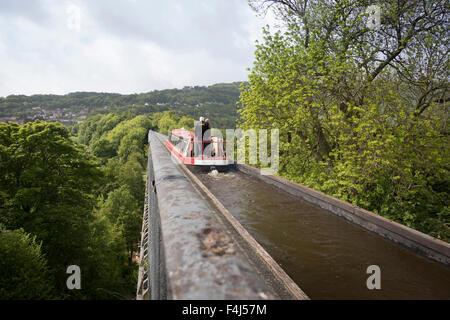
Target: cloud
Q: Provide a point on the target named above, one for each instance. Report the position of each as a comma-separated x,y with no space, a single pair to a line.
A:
30,9
49,46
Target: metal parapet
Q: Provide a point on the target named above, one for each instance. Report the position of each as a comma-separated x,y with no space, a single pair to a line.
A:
186,251
413,240
151,277
143,280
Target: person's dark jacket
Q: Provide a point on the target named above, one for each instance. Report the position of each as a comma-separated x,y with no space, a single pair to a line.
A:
207,132
198,136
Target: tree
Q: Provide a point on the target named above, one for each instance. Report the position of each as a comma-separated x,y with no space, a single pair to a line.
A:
131,175
102,148
24,274
54,189
412,40
356,106
186,122
124,212
48,185
168,121
132,142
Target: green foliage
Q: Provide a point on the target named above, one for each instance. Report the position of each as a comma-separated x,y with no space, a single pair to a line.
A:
170,120
53,188
367,132
24,273
108,251
186,122
124,212
217,102
103,149
47,182
122,148
82,197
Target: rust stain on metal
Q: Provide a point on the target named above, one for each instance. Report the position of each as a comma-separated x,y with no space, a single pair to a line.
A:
216,242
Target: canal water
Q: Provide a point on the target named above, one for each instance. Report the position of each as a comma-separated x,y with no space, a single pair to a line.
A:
325,255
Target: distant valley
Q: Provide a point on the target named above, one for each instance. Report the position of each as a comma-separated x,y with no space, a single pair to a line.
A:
218,102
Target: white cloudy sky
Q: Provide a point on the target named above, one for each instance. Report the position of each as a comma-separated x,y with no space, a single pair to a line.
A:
125,46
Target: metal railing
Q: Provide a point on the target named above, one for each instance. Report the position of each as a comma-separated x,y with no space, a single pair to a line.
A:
216,150
151,278
143,280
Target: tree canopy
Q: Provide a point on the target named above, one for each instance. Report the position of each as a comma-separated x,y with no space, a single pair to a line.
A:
24,274
362,112
80,198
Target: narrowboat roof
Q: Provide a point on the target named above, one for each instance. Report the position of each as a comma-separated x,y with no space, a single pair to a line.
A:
183,133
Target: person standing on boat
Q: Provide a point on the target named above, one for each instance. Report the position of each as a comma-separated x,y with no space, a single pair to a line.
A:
208,127
207,138
198,136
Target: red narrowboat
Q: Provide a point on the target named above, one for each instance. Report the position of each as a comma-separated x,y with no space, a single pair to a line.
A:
182,145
